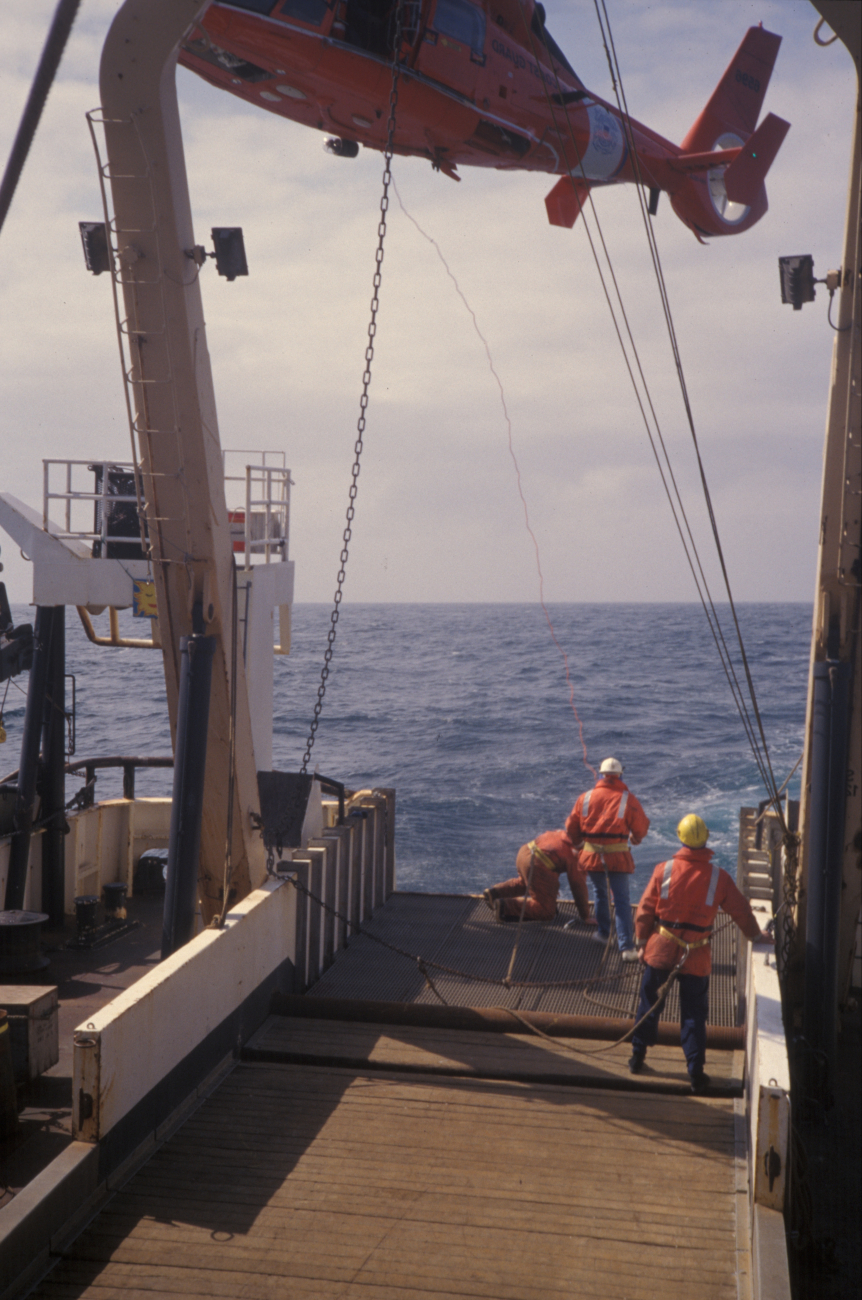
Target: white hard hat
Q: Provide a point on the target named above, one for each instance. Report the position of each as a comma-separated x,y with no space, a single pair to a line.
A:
611,767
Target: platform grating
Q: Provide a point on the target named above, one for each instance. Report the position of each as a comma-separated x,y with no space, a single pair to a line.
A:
460,933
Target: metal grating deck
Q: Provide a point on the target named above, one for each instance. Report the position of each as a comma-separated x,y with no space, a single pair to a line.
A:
460,933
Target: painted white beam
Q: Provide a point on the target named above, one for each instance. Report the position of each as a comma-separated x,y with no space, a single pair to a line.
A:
130,1045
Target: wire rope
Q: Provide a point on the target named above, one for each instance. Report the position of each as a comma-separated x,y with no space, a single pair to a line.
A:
619,91
761,756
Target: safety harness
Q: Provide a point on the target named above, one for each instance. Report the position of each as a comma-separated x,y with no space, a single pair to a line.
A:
662,924
610,843
544,858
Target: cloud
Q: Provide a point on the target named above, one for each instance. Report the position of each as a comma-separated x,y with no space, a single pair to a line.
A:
438,516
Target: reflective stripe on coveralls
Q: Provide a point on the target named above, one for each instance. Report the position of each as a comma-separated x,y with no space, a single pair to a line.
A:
713,882
665,880
544,858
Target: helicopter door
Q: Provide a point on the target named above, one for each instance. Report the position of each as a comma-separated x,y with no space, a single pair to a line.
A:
452,49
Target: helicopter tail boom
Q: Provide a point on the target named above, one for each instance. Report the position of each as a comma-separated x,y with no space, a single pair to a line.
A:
735,104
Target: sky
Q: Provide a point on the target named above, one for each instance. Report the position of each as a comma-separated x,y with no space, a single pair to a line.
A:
439,517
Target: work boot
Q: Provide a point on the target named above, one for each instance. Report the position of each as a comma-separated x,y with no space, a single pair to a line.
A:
599,938
636,1062
629,954
699,1083
488,896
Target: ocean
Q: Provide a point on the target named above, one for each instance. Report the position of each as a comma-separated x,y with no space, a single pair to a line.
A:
464,709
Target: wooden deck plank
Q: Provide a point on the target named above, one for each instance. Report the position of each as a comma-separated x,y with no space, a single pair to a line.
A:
351,1225
307,1181
515,1055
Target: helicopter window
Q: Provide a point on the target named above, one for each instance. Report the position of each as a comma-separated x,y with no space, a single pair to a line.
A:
462,21
307,11
367,26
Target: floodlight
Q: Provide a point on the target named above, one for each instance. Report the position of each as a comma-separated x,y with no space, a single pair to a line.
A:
229,251
94,237
797,279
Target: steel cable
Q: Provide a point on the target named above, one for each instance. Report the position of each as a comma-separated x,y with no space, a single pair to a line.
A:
761,760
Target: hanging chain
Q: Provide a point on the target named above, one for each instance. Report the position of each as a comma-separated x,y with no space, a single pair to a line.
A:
366,384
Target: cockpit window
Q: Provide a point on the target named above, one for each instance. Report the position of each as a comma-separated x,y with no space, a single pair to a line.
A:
462,21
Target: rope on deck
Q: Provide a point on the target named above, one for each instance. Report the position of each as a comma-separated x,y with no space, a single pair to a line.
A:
424,962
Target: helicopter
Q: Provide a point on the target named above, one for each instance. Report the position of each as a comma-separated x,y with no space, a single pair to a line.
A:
483,83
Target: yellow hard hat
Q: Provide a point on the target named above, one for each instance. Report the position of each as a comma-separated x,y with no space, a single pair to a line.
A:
693,831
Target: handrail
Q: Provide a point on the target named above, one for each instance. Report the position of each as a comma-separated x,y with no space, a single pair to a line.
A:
114,639
89,765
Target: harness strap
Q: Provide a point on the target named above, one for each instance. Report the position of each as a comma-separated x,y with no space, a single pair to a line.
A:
621,846
689,947
544,858
681,925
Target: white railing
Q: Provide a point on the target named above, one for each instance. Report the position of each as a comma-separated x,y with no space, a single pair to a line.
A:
98,504
258,498
106,494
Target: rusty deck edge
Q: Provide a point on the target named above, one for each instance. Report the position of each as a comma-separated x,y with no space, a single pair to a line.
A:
551,1078
490,1019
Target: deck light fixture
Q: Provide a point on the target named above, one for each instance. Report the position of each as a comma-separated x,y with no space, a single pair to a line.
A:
94,237
797,279
229,251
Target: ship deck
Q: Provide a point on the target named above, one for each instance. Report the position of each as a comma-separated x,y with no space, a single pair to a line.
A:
348,1159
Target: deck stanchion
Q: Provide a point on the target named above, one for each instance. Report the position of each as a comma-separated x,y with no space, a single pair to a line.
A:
367,832
379,849
330,869
189,764
300,868
356,825
53,782
315,912
19,849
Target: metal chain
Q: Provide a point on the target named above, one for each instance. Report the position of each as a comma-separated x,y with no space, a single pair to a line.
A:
366,384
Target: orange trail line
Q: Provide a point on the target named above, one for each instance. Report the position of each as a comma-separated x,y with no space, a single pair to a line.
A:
484,341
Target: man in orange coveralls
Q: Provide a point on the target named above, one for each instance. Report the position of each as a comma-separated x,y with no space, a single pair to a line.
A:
600,826
540,864
673,921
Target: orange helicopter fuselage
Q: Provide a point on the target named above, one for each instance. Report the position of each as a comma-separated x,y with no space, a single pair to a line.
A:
472,90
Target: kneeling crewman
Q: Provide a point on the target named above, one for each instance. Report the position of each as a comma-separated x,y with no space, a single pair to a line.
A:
673,924
539,865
